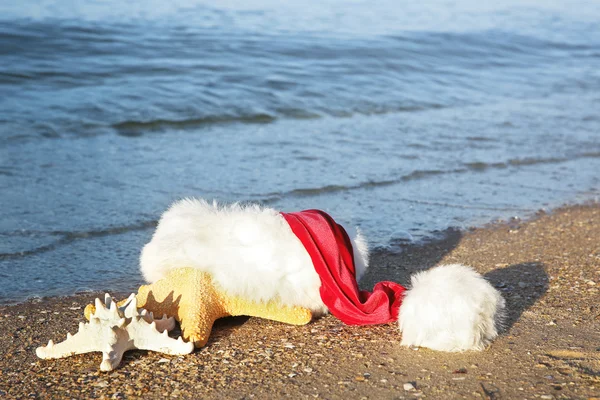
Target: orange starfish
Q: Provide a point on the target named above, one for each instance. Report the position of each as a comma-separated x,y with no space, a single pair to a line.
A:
192,298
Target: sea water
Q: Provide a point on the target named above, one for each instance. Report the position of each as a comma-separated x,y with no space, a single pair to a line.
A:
403,119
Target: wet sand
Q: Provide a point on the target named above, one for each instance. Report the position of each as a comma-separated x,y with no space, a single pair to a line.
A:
548,269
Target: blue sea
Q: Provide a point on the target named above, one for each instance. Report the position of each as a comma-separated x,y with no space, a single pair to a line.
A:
403,119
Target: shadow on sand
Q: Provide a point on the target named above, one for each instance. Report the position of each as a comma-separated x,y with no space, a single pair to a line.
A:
521,284
399,266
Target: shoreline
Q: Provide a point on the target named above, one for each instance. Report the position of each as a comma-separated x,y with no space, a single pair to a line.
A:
421,246
547,267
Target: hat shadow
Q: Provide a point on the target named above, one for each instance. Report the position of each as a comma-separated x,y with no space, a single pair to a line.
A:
399,264
521,284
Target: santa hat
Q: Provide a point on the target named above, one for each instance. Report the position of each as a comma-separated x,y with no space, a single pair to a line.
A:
448,308
306,259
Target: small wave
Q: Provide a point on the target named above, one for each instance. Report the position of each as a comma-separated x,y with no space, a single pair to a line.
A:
305,192
66,237
422,174
481,139
7,78
18,138
317,191
297,113
464,206
137,128
533,161
6,172
482,166
527,161
591,154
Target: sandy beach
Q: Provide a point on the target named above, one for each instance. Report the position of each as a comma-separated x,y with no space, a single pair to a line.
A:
404,119
548,269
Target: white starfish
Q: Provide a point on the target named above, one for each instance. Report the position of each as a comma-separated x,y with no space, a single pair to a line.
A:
113,330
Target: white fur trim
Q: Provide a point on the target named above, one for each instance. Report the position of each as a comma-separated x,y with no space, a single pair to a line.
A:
250,251
450,308
360,249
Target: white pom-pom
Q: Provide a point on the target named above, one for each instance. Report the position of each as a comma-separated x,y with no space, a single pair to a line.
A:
450,308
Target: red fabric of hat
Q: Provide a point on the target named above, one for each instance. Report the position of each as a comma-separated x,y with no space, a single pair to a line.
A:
331,252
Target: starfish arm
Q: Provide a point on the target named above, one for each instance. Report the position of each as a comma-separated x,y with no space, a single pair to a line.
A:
111,359
108,310
127,308
188,295
114,329
197,325
144,336
163,324
119,342
90,337
130,310
272,310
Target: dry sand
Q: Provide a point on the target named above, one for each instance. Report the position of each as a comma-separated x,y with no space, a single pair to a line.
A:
548,270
